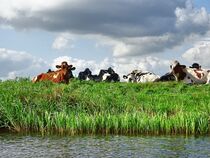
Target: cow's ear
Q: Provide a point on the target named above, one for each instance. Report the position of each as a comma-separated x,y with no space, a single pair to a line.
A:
125,77
183,66
58,66
70,67
73,68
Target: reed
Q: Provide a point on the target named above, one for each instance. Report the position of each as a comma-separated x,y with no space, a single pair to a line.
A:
106,108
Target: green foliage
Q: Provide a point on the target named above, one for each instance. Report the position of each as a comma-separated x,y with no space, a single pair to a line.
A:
107,108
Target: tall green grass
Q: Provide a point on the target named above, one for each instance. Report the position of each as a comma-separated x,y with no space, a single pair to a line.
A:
106,108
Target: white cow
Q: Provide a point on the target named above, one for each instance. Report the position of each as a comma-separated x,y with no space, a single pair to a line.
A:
190,75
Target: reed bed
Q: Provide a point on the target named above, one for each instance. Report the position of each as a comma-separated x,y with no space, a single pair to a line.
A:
105,108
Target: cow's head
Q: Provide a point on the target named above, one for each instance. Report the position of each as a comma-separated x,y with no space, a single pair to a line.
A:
64,65
87,72
131,77
178,70
195,65
110,70
67,69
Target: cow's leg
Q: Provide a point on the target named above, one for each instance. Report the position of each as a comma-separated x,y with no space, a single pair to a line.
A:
34,79
208,79
37,78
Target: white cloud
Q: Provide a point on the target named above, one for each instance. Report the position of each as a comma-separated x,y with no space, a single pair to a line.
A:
149,63
200,53
19,64
191,20
81,64
121,66
131,28
63,41
22,64
144,45
9,9
137,26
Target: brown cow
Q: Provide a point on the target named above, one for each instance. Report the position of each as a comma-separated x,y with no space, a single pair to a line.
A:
62,75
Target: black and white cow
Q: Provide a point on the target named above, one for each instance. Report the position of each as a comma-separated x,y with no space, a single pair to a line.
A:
104,75
167,77
189,75
131,77
112,76
85,75
141,76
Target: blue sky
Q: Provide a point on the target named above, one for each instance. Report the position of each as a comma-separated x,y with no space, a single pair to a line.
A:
202,3
123,34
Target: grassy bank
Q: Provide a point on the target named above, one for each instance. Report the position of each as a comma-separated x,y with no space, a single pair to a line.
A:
119,108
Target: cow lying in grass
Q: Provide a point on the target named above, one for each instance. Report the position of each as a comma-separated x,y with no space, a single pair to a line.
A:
108,75
189,75
140,76
166,77
62,75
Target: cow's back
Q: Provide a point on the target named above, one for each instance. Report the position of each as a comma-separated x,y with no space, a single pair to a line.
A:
147,77
56,77
194,75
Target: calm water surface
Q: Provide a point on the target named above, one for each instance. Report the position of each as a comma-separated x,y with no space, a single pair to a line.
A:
35,146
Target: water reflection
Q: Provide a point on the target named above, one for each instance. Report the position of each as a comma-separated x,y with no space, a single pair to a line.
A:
31,146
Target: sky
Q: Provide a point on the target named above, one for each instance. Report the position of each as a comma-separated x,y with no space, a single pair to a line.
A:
97,34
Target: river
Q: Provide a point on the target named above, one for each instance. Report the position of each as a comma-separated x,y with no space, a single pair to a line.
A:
37,146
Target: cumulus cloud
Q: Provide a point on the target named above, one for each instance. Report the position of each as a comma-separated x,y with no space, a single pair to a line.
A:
121,66
63,41
22,64
10,9
122,18
199,53
149,63
81,64
19,64
137,27
192,20
144,45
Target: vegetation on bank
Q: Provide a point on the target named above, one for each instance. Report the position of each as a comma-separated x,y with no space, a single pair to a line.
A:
105,108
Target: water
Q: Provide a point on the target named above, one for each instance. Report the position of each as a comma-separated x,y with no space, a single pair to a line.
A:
35,146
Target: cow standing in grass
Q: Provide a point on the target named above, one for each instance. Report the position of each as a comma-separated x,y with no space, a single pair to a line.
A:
189,75
62,75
